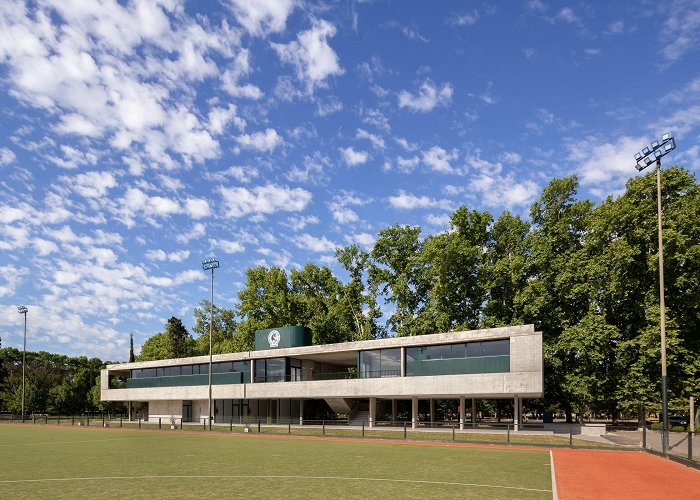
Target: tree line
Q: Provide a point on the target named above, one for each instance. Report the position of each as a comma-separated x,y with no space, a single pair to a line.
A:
586,275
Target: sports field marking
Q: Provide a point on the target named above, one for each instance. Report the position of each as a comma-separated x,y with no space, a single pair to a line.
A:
333,478
554,478
71,442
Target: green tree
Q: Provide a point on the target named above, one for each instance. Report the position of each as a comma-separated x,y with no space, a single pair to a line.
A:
179,339
223,331
400,276
132,358
507,271
360,296
557,296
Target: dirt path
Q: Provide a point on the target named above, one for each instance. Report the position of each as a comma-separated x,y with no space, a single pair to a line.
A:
597,474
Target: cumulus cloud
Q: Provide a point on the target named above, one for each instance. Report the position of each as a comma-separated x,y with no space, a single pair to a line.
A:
262,17
429,96
162,255
260,141
352,157
376,141
439,160
311,56
339,207
314,244
93,184
408,201
6,156
268,199
365,240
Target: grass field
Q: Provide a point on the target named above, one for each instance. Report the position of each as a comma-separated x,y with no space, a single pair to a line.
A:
39,461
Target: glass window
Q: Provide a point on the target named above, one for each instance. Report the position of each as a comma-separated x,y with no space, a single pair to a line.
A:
473,349
415,353
136,373
495,348
241,366
149,372
391,362
370,363
203,369
186,370
224,367
445,351
172,371
275,369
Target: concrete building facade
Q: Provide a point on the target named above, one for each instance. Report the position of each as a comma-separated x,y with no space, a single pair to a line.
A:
284,379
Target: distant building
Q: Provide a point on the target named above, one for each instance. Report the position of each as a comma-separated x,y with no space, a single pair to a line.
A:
285,379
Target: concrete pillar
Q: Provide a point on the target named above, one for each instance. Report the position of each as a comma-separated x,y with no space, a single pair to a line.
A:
432,412
462,410
372,411
403,361
473,410
414,412
252,370
516,413
393,410
301,412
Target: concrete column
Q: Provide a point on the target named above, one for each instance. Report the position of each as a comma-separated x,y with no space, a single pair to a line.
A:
301,412
432,412
252,370
393,410
414,412
473,410
462,410
372,411
403,361
516,413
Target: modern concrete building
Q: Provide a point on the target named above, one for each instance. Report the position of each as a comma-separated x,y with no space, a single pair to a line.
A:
285,379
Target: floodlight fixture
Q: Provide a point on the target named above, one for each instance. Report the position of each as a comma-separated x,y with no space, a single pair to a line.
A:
644,159
210,263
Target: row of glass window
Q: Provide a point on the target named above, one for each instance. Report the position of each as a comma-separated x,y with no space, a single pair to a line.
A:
375,363
199,369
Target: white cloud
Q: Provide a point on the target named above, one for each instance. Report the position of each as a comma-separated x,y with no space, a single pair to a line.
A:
162,255
197,231
219,118
441,220
365,240
268,199
439,160
511,158
466,19
261,17
339,207
197,208
93,184
299,223
314,244
494,188
567,15
376,141
6,157
311,55
260,141
612,165
428,98
407,201
352,157
228,246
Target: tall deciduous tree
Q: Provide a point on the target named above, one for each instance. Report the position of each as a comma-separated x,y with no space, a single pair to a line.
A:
223,331
399,274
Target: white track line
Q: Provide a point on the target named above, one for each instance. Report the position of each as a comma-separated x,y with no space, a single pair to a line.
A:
334,478
554,478
82,441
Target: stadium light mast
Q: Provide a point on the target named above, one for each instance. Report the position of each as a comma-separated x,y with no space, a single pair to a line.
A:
212,264
23,310
644,158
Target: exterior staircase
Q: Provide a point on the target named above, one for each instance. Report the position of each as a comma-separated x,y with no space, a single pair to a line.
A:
358,417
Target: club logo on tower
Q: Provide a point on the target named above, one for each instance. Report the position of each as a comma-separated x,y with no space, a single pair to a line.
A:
273,338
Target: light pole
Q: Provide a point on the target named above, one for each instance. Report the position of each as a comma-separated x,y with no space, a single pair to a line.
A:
644,158
206,265
23,310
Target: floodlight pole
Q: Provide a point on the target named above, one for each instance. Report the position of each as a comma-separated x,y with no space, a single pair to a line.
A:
23,310
662,311
645,158
210,264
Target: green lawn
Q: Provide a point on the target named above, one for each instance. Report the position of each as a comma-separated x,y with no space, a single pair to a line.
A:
43,462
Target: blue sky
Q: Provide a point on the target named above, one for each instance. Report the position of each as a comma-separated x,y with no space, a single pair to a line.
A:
139,138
